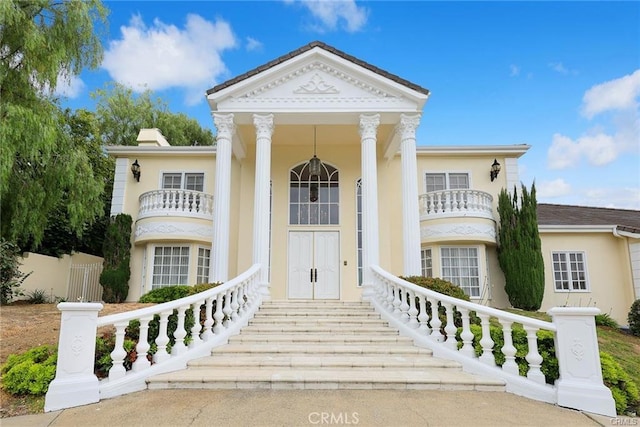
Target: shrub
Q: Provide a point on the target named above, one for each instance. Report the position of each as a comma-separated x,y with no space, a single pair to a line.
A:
605,320
116,250
10,275
623,389
38,296
30,372
201,287
446,288
634,318
166,294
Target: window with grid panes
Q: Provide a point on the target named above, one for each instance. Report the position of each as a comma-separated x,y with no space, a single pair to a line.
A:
183,181
569,271
460,266
170,266
204,258
427,267
325,210
446,181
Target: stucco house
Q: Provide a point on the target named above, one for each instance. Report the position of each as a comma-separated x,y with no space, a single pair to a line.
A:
198,210
313,202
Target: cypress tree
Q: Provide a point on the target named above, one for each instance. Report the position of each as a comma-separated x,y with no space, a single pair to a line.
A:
520,249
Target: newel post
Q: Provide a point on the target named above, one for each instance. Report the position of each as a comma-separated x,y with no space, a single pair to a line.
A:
580,384
75,383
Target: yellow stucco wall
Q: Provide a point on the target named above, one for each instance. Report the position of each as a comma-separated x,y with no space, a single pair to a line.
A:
608,272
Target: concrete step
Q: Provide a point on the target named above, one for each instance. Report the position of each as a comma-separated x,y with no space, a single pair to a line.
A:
339,312
311,304
327,338
284,378
321,349
315,361
310,328
307,320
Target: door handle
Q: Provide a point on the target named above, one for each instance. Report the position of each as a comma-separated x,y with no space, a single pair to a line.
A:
311,275
315,278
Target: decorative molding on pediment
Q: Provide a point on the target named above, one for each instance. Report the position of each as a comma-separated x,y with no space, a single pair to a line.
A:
316,84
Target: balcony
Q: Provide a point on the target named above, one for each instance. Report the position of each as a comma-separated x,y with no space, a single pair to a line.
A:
181,203
456,203
461,215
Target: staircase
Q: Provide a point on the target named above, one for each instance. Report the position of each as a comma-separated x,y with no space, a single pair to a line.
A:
321,345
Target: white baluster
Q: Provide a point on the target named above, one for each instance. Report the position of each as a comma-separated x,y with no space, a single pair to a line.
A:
466,335
234,304
423,317
441,205
163,339
396,301
218,315
435,321
143,346
486,342
508,349
180,333
450,329
455,200
533,357
413,311
119,353
195,329
241,301
226,308
447,202
207,333
404,305
390,296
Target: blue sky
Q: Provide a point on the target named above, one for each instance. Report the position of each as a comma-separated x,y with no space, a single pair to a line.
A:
563,77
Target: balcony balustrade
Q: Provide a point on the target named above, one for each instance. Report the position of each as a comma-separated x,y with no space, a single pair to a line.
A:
459,202
176,202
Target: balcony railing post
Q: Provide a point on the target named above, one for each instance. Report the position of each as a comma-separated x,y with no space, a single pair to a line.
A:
580,385
75,383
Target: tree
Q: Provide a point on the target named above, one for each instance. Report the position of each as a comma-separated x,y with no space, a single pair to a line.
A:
121,114
520,249
10,275
41,42
117,246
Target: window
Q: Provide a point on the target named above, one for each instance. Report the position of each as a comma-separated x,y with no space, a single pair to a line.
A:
427,267
170,266
569,271
324,210
359,229
183,181
446,181
460,266
204,257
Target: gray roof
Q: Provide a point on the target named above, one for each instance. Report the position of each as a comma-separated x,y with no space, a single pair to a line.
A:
328,48
625,219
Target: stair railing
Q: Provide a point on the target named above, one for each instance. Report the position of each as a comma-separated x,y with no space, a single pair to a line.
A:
226,309
405,306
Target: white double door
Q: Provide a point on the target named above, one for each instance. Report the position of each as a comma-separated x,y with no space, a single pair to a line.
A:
314,265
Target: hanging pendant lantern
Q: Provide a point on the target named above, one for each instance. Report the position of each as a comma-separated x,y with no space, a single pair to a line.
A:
314,163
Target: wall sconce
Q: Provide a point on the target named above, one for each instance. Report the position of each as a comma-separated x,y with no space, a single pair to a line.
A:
135,170
495,169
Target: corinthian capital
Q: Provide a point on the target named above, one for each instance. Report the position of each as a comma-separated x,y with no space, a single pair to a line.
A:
369,125
264,125
408,125
224,124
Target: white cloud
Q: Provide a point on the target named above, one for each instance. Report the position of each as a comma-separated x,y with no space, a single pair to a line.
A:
332,13
515,70
618,94
69,87
164,56
551,189
253,44
560,68
599,149
619,198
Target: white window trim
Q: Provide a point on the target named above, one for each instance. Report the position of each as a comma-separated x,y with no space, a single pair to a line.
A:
586,273
182,180
425,248
426,171
197,252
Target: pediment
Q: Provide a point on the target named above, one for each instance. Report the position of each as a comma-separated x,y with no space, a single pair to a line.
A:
316,81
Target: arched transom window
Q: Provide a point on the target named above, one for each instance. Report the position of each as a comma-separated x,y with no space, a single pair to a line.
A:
314,199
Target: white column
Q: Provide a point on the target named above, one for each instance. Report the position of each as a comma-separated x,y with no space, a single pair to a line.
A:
410,211
219,266
369,159
261,204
